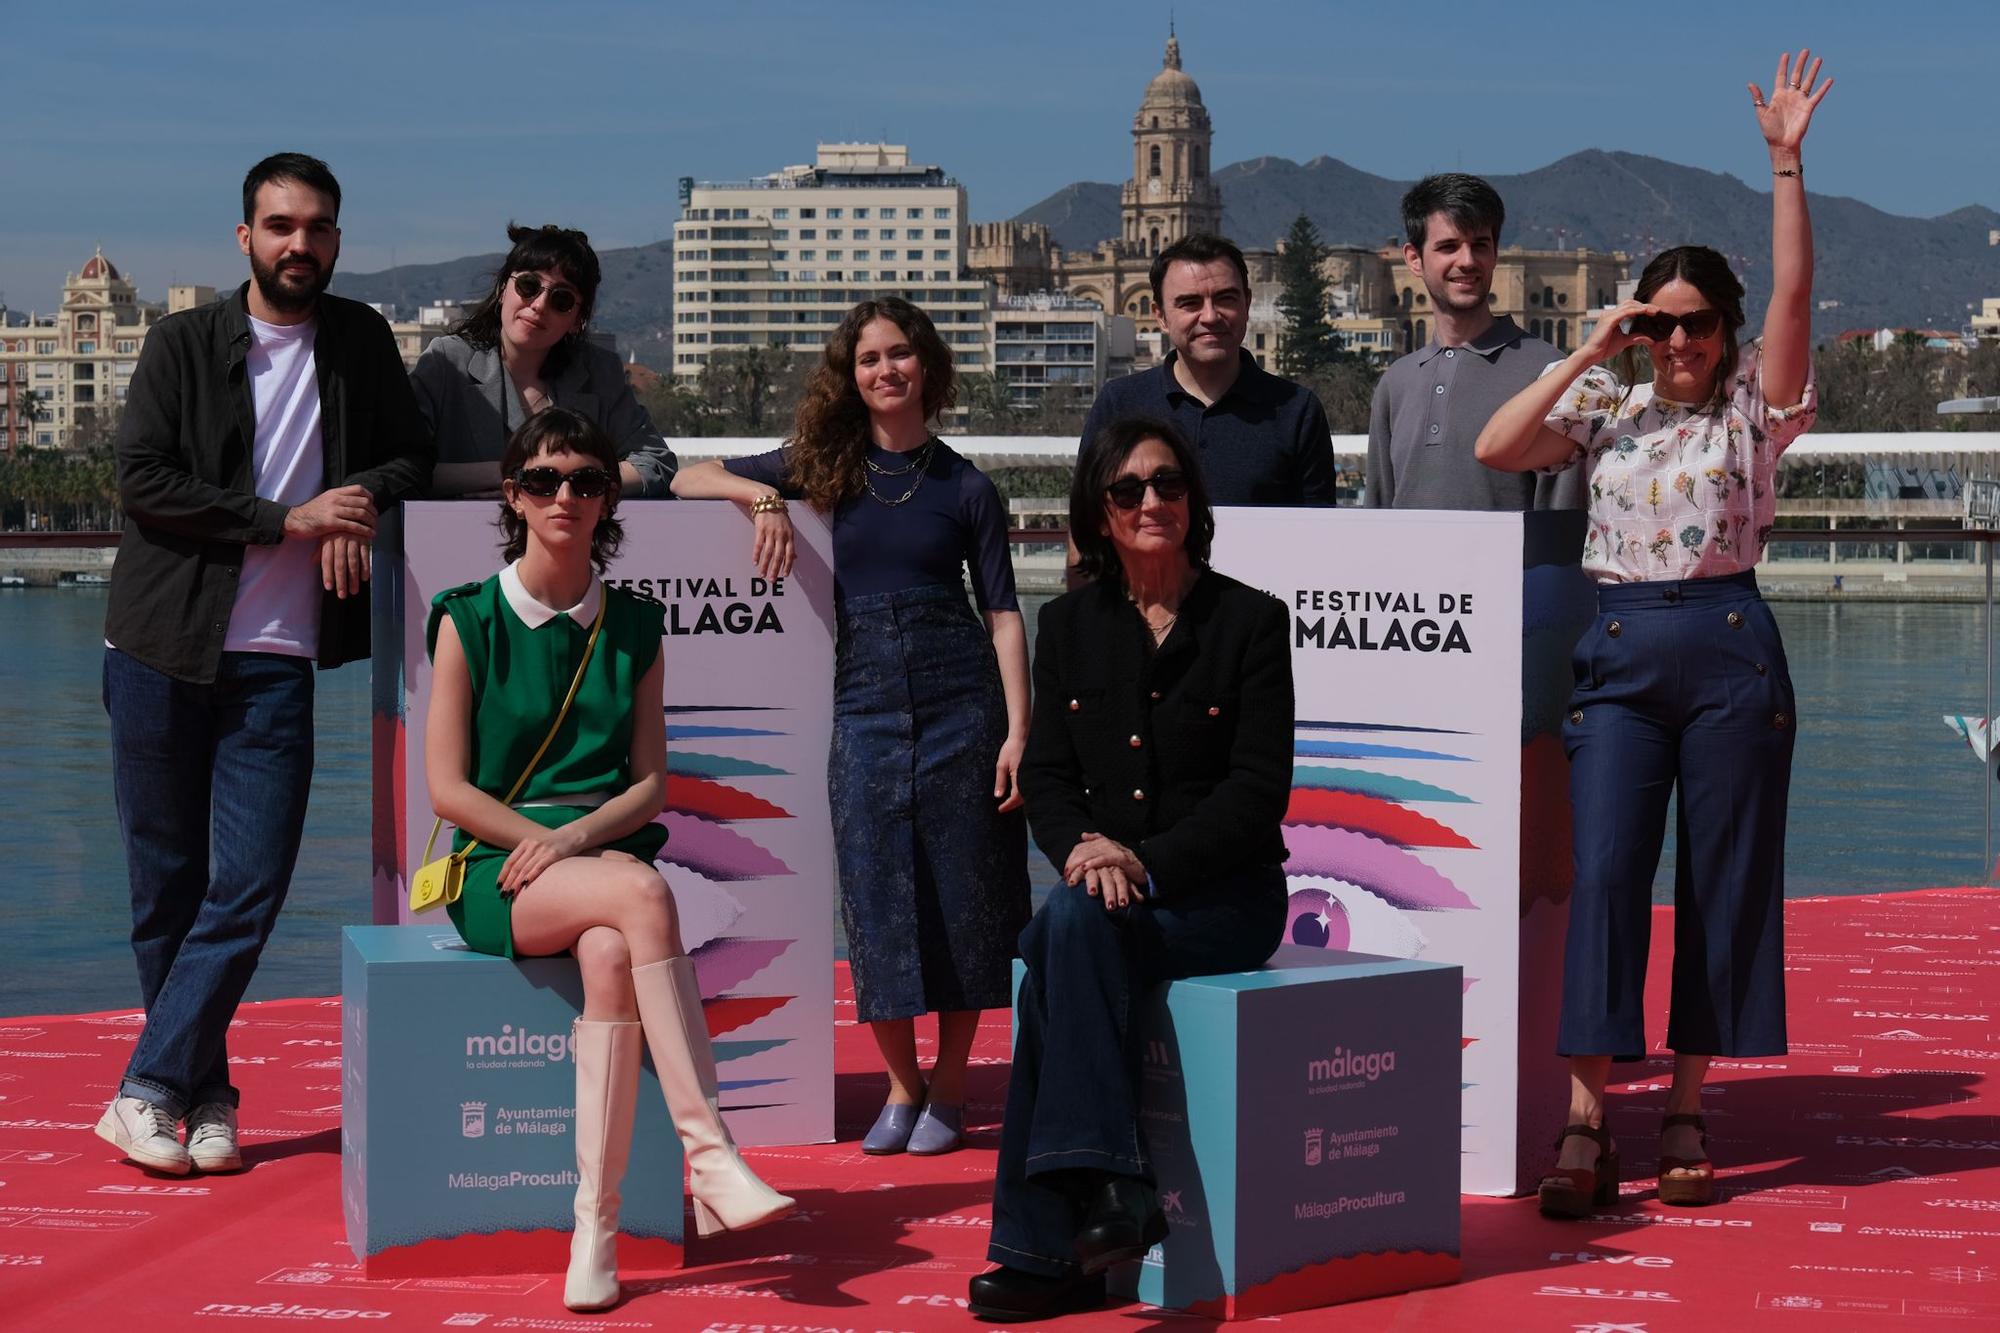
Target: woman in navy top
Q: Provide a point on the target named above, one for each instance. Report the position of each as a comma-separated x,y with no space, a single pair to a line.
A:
930,706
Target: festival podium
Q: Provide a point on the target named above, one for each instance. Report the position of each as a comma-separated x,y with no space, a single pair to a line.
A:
1302,1121
458,1093
1430,791
749,702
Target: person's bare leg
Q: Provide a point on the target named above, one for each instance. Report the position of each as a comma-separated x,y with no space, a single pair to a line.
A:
607,889
1587,1076
1684,1098
956,1030
896,1038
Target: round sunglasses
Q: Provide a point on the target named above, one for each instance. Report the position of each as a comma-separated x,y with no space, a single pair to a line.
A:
562,300
1170,484
586,483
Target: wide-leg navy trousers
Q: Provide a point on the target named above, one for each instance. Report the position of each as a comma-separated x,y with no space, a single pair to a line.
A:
1679,685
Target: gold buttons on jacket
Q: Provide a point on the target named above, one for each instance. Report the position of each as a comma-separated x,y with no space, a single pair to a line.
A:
1138,793
1076,705
1736,620
1156,696
1213,711
1576,717
1614,629
1780,721
1135,742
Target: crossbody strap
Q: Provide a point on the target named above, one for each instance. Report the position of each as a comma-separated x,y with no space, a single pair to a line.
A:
576,683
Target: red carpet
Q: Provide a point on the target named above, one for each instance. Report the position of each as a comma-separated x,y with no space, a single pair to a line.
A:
1863,1183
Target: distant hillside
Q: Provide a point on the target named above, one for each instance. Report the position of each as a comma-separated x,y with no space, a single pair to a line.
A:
1883,269
635,301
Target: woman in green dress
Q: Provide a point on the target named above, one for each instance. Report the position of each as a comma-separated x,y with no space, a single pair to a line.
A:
567,866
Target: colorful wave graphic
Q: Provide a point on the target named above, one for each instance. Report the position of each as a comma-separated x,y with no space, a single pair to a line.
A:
715,852
718,801
1382,868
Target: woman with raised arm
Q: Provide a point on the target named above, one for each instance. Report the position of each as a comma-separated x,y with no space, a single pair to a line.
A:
930,709
1681,683
563,861
523,347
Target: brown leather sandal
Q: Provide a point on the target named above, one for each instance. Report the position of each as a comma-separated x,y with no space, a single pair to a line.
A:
1575,1192
1687,1182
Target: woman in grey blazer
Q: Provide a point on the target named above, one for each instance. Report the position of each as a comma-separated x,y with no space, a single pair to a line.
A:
521,349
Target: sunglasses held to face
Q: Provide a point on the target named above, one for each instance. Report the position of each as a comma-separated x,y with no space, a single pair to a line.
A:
1660,328
562,300
1170,484
585,483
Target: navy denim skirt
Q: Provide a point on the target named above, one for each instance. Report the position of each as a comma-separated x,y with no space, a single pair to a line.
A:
933,882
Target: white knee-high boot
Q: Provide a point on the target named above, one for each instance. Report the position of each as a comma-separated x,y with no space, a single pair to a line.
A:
607,1088
727,1194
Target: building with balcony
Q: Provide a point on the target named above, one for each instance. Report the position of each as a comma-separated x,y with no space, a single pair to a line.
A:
779,260
1051,342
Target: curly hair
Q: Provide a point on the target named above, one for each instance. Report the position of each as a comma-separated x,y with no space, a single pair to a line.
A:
830,433
537,250
557,430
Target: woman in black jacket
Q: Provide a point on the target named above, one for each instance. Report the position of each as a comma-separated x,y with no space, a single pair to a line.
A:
1158,767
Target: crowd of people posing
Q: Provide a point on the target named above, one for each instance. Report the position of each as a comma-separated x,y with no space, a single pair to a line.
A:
1148,751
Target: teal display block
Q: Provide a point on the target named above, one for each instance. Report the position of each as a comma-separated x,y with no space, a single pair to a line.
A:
1302,1122
458,1100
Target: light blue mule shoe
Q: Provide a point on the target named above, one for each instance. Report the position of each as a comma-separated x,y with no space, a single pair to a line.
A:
940,1129
891,1131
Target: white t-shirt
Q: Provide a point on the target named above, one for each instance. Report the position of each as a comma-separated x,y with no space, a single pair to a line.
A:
278,594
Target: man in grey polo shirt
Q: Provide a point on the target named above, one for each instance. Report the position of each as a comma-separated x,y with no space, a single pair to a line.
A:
1431,404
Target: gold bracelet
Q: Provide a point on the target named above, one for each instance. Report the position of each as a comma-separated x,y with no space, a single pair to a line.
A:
770,503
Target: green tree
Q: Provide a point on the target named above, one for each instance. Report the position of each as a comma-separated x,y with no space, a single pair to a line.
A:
741,388
989,405
1308,342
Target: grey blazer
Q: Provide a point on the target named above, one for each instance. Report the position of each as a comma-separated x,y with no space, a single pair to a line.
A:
461,389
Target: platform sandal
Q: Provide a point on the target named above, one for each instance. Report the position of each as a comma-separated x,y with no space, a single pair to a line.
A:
1687,1182
1575,1192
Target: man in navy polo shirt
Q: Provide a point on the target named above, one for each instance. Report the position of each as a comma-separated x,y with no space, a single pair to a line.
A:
1262,440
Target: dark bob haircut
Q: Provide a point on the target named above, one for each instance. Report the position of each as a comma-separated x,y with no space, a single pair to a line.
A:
1200,248
1470,203
1097,467
557,430
296,167
537,250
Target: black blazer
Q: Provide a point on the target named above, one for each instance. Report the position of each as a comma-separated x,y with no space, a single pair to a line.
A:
187,479
1184,754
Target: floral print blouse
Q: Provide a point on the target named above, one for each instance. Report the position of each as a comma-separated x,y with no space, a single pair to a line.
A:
1677,491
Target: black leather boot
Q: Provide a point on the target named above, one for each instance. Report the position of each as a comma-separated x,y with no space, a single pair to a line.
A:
1007,1294
1121,1221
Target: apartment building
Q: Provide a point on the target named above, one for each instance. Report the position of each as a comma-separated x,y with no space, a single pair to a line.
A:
777,261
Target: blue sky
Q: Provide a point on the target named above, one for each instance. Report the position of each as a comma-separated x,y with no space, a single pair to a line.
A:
130,124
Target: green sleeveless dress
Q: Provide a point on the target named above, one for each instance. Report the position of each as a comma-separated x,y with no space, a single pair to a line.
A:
519,676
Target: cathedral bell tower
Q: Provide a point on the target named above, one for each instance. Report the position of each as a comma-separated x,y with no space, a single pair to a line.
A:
1171,194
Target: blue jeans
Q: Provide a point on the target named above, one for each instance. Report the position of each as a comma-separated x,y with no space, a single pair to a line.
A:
1073,1094
211,783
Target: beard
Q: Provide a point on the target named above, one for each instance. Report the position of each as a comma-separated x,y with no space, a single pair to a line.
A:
292,291
1445,296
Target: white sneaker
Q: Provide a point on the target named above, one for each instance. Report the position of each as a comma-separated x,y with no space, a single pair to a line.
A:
211,1142
145,1133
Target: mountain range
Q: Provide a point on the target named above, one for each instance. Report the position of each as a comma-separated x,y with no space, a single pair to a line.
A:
1873,269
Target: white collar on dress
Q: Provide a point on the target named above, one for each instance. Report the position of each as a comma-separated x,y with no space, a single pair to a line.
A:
533,614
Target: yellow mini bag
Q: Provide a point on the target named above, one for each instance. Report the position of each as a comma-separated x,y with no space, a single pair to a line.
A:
436,883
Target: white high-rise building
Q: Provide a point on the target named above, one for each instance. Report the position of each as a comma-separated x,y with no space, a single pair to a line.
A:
777,261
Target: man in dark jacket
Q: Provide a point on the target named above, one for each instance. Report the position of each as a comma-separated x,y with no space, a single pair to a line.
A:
261,437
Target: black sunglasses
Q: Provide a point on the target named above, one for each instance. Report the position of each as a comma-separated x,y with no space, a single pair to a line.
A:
562,300
586,483
1170,484
1660,328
